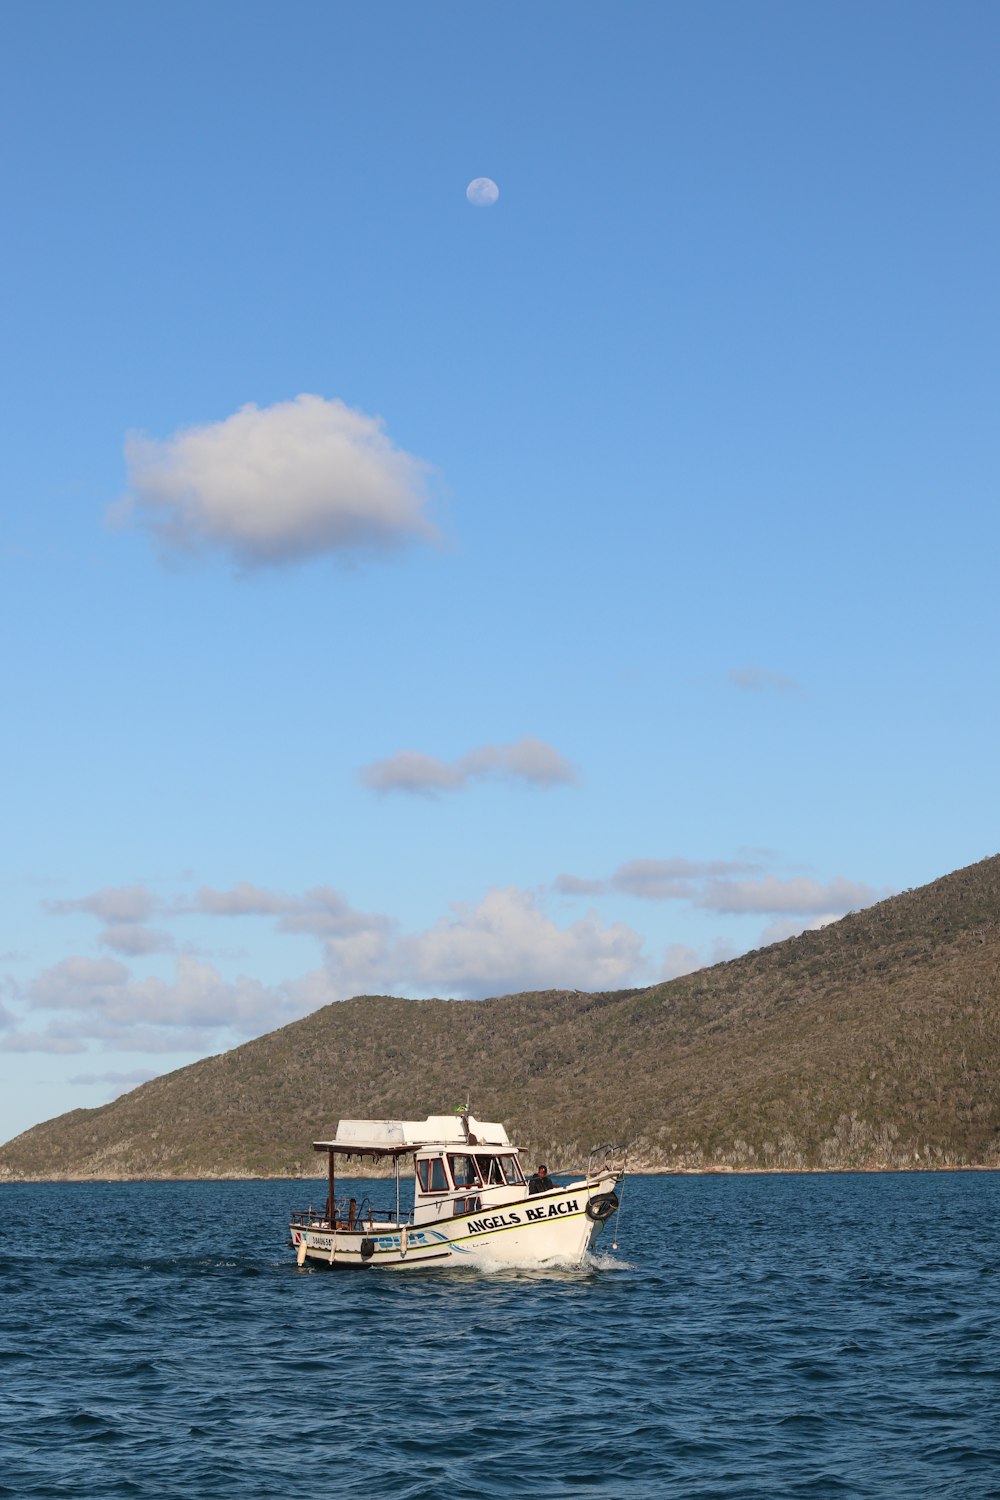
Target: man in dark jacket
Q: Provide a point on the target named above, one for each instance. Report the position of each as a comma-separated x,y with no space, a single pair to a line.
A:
540,1181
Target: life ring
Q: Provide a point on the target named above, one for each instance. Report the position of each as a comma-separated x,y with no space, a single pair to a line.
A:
601,1207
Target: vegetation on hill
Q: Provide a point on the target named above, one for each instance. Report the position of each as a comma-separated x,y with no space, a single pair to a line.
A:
874,1042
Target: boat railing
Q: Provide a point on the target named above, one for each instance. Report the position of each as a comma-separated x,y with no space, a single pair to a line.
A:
608,1160
350,1215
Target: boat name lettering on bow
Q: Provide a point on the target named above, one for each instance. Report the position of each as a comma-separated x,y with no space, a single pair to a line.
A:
532,1215
550,1210
495,1221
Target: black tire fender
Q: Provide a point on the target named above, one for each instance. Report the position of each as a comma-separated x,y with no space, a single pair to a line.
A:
601,1207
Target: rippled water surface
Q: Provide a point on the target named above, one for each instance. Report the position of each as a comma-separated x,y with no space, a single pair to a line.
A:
751,1336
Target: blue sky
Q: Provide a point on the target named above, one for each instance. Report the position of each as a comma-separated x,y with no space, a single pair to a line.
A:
411,597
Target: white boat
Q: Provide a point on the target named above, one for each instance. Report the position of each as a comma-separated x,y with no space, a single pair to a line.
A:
471,1203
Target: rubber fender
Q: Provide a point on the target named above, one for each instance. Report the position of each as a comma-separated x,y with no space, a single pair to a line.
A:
367,1249
601,1206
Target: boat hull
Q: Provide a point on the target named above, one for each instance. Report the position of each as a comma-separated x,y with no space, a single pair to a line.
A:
557,1227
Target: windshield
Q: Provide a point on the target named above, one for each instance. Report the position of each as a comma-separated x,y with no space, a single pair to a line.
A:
463,1171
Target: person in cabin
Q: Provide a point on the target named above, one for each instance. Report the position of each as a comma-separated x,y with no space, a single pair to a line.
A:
540,1181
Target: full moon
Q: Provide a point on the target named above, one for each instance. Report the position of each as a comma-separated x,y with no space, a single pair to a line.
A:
483,192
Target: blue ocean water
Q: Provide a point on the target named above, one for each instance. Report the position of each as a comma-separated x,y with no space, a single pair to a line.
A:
750,1337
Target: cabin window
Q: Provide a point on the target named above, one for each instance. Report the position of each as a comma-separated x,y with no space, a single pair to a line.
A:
468,1205
430,1175
511,1170
463,1171
490,1170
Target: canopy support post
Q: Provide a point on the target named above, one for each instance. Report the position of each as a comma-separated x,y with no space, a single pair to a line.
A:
330,1209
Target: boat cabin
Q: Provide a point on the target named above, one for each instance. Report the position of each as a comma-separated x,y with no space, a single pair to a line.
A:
464,1181
461,1165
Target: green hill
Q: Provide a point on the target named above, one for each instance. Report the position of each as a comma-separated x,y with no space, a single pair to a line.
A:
874,1042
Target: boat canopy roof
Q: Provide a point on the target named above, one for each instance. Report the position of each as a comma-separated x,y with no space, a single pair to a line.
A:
398,1137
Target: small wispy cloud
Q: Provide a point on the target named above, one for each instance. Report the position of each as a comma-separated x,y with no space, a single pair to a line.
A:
669,879
713,885
680,959
788,927
113,904
799,894
577,885
124,909
654,879
241,900
132,939
118,1080
760,680
411,771
321,912
527,760
51,1041
277,484
77,982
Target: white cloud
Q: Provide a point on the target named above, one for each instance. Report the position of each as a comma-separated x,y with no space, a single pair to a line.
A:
321,912
759,680
788,927
125,1080
199,996
504,944
576,885
243,900
52,1041
124,908
668,879
411,771
109,1002
708,884
156,1040
133,939
528,759
654,879
114,904
679,959
798,894
723,950
77,983
278,484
